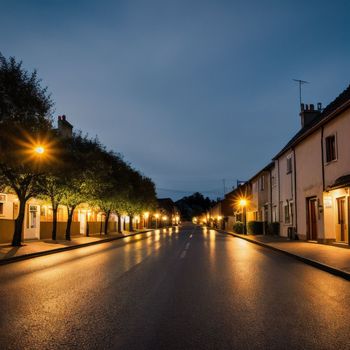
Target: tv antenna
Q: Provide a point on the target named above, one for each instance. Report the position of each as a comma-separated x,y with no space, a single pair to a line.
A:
300,82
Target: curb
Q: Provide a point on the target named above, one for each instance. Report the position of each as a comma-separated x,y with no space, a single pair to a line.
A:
314,263
63,249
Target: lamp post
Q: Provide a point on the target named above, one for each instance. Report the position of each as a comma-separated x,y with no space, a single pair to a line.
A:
243,204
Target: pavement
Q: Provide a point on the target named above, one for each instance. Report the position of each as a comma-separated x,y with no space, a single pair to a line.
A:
333,259
189,288
34,248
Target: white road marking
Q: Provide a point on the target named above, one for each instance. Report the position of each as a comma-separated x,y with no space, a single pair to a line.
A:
183,254
187,246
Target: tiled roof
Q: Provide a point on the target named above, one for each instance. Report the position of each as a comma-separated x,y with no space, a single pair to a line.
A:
332,107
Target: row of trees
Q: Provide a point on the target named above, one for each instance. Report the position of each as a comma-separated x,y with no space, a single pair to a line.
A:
37,161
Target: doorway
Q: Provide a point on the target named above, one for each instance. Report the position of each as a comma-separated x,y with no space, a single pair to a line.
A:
312,218
341,204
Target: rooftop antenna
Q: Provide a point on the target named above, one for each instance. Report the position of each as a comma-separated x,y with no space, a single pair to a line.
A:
300,82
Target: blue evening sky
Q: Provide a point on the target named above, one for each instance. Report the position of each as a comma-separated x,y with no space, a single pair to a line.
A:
190,92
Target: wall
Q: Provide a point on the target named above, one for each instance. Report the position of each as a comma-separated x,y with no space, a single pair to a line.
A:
308,156
286,191
275,193
341,128
46,229
7,228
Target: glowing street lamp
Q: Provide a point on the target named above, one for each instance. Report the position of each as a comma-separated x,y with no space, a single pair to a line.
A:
243,204
39,150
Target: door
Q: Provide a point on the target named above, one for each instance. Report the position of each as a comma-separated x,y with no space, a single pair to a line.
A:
312,219
342,218
32,226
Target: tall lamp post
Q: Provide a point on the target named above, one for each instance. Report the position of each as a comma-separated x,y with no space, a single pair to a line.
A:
243,204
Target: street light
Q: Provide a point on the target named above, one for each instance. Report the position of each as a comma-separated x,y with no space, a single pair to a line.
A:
39,150
243,204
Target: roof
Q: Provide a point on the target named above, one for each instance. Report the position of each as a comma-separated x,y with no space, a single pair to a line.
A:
334,108
266,168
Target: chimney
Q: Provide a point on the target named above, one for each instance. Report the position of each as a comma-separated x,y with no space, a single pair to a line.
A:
308,114
65,129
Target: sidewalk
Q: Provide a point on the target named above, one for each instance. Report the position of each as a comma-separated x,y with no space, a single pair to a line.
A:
329,258
31,249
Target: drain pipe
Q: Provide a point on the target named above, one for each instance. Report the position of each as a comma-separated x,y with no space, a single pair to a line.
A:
295,192
322,160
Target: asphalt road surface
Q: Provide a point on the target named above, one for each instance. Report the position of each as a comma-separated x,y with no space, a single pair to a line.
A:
173,289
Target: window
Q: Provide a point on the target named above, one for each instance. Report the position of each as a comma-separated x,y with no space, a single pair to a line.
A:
273,180
289,165
1,208
330,148
32,216
262,182
286,214
274,213
42,211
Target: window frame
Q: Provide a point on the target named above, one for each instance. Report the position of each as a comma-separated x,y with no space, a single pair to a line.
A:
286,213
334,152
289,165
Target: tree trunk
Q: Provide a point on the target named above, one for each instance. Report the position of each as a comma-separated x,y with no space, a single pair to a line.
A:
17,235
119,223
69,222
131,226
54,221
108,213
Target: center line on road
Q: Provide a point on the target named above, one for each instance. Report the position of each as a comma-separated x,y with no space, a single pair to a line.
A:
183,254
187,246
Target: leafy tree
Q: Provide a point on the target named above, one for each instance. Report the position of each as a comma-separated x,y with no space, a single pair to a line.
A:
25,121
112,181
80,180
194,205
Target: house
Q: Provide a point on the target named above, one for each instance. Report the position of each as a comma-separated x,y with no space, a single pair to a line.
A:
313,172
8,213
261,196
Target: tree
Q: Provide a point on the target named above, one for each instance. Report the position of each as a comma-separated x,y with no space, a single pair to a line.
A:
194,205
112,182
25,121
80,180
52,188
141,195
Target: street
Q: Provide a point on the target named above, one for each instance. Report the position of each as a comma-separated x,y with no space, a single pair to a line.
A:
187,288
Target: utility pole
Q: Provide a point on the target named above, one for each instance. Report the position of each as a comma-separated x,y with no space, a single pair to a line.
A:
300,82
224,187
